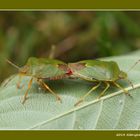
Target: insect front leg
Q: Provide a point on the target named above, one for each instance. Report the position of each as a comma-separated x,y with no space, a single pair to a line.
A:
29,86
103,92
131,84
124,90
19,81
40,81
83,97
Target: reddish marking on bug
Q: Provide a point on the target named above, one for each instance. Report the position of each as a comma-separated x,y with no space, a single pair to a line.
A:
69,72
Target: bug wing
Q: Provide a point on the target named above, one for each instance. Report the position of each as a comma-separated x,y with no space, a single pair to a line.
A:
96,73
45,68
100,70
48,71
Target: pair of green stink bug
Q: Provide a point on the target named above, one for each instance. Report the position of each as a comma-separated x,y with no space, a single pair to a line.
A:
97,71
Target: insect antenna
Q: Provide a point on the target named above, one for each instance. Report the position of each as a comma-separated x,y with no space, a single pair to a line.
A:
14,65
11,63
133,65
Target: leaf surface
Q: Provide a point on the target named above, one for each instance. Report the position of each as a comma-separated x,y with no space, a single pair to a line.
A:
115,110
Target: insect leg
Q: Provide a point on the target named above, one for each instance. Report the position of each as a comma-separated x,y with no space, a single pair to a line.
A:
19,81
5,83
47,87
120,87
131,84
103,92
29,86
83,97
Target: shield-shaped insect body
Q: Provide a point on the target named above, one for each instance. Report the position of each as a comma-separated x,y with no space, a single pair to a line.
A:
107,72
39,69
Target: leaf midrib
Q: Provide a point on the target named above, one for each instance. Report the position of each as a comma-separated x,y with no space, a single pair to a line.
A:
83,106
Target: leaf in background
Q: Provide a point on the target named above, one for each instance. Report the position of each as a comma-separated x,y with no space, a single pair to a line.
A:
115,110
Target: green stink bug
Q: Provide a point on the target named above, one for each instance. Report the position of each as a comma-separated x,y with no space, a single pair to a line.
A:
40,69
98,71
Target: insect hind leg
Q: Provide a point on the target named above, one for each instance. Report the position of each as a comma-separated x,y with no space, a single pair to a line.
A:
40,81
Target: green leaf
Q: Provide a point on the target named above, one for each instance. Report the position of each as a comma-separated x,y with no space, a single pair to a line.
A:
115,110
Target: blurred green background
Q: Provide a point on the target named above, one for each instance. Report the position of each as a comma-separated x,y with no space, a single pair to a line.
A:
74,35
